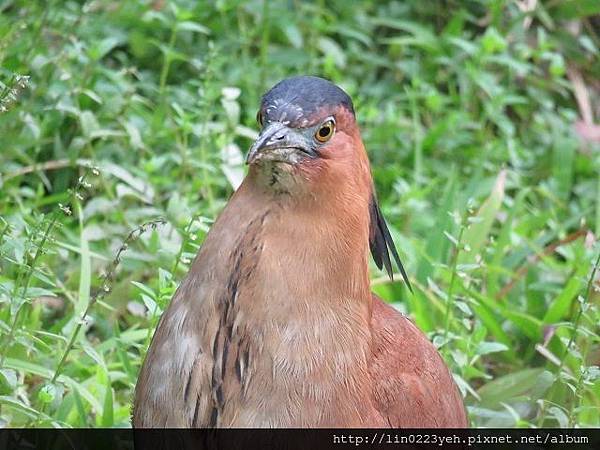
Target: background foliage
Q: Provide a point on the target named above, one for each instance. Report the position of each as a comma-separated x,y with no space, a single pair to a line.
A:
123,126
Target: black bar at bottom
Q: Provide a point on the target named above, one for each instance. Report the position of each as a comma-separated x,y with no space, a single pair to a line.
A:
292,439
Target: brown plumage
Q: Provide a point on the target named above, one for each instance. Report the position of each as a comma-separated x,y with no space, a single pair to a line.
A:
275,324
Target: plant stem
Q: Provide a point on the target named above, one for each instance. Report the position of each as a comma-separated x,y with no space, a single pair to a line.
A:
38,253
104,288
449,298
164,71
585,301
542,412
183,244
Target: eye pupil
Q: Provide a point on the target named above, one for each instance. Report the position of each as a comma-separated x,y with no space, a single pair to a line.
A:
324,132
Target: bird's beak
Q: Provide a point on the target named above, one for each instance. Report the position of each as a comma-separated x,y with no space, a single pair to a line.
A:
277,142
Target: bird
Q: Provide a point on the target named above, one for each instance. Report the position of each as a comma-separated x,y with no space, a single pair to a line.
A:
275,324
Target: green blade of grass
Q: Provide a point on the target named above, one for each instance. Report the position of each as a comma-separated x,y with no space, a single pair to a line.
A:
85,271
562,303
108,417
502,244
81,413
476,234
437,243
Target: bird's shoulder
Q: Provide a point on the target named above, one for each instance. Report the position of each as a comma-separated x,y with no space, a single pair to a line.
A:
412,387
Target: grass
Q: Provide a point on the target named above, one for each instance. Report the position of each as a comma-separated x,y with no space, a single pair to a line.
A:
123,127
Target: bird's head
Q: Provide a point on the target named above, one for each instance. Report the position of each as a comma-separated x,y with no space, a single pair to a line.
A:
309,143
308,132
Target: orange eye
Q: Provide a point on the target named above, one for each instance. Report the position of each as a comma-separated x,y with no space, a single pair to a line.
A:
259,118
325,132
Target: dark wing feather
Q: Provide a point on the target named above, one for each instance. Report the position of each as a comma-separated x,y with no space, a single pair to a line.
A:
380,242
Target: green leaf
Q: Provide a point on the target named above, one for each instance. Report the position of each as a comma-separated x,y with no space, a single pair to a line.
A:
572,9
492,41
19,406
503,243
108,418
81,413
560,416
104,46
485,347
564,151
47,393
418,35
478,231
562,303
193,27
8,381
437,245
507,387
292,33
529,325
89,123
332,50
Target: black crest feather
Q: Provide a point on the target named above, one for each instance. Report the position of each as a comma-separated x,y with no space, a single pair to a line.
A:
381,242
